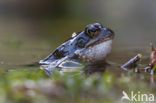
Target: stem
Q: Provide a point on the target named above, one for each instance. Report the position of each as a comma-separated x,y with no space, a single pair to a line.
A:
131,63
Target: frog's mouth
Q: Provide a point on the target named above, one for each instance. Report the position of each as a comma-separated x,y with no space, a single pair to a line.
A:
100,39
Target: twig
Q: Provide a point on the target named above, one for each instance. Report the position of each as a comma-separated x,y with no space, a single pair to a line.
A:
131,63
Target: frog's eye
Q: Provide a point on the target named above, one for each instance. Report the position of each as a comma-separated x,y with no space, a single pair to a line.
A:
92,31
81,42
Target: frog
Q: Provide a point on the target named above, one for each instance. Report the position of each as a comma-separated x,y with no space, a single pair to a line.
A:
91,45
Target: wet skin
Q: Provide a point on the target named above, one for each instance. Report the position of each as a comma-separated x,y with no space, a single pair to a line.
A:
91,45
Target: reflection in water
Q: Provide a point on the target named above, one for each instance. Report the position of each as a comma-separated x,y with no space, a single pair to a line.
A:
65,66
71,66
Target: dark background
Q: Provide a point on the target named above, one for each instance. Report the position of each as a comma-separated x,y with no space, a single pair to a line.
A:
31,29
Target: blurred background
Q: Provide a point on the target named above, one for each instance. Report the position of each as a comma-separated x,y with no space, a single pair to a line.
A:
31,29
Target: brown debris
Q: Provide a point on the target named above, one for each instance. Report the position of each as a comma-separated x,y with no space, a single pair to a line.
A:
152,56
131,63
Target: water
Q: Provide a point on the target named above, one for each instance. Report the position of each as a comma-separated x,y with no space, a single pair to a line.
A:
31,30
23,43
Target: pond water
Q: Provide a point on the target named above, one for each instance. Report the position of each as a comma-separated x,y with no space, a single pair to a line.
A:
27,41
24,42
31,29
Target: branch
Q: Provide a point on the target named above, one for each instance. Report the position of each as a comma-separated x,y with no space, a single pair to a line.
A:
131,63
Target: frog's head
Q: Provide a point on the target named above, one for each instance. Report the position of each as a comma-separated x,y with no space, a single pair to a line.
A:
99,43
